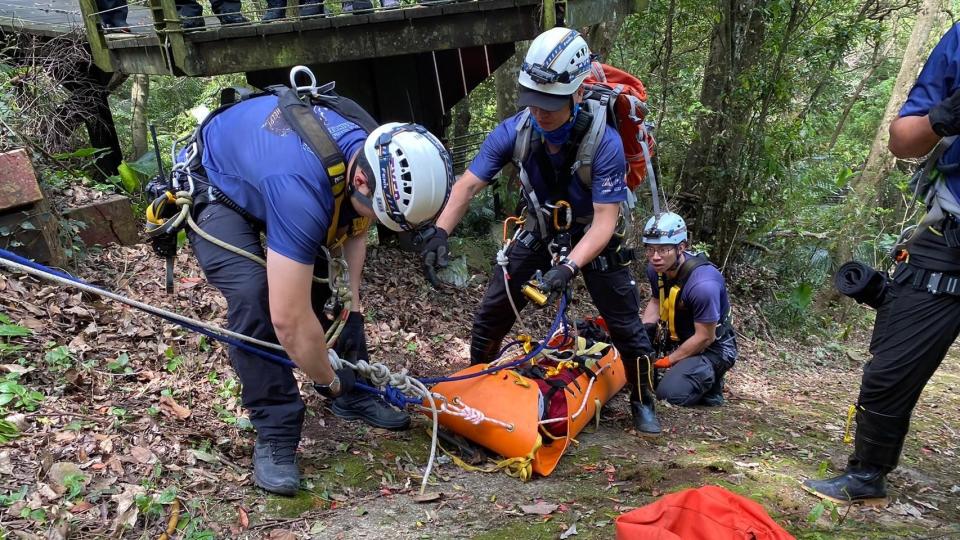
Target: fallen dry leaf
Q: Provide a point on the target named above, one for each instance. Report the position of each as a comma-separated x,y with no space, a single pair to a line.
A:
80,507
429,496
540,508
170,407
142,455
281,534
244,519
126,509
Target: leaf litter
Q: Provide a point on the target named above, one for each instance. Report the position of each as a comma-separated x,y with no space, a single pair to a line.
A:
113,447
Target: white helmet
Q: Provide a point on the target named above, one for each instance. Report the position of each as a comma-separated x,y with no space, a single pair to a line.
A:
413,174
556,64
665,228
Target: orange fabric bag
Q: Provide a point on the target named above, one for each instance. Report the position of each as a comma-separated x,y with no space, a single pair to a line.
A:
707,513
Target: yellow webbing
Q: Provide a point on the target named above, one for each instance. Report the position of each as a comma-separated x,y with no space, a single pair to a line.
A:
668,306
517,467
851,412
338,184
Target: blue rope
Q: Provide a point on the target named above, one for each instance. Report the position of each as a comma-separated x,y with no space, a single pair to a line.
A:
560,318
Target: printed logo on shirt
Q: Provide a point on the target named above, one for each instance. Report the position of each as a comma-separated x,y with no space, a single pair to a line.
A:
338,127
612,184
276,124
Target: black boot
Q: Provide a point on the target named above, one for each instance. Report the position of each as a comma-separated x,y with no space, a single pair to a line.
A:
876,452
714,396
864,484
645,412
360,405
275,466
232,18
276,9
228,11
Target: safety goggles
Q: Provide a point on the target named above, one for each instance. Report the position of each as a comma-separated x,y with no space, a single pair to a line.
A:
661,250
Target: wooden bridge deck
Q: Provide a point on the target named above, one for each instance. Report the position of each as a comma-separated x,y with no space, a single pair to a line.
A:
158,44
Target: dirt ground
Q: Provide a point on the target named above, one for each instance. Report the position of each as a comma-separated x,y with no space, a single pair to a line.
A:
139,429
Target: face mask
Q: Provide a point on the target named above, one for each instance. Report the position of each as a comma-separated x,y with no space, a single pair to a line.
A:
562,133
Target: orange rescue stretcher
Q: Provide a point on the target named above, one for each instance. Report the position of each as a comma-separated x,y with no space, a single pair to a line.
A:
513,412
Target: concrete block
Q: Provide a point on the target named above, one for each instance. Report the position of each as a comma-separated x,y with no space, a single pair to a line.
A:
18,180
110,221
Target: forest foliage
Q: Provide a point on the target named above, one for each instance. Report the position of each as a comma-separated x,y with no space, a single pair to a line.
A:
764,111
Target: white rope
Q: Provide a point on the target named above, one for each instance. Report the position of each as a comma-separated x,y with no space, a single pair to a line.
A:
472,415
504,261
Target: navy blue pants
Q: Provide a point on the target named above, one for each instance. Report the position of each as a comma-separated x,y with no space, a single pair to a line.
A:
689,379
270,392
189,9
614,292
276,8
113,13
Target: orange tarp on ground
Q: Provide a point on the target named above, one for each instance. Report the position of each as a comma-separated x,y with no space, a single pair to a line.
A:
707,513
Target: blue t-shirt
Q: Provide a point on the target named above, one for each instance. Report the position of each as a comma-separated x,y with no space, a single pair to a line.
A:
608,184
939,79
703,299
256,159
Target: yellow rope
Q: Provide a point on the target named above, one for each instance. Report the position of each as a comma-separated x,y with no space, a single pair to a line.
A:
851,412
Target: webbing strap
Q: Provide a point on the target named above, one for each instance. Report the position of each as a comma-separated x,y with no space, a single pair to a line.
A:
314,133
668,301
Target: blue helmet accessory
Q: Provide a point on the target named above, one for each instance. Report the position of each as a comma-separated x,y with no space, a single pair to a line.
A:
665,228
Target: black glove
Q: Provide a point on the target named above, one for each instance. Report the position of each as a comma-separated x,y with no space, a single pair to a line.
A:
348,379
435,252
352,343
945,116
557,278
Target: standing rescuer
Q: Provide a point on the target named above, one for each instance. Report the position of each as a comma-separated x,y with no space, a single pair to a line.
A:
919,318
254,173
688,317
572,225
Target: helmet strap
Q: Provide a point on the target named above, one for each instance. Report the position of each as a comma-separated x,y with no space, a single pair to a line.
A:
676,262
357,165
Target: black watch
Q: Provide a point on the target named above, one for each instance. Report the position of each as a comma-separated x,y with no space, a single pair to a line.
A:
331,389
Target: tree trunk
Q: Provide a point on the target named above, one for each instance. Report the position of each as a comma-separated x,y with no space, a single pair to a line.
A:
665,65
139,94
709,169
505,82
875,62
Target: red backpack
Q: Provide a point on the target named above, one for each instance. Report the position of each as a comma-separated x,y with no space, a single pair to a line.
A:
626,100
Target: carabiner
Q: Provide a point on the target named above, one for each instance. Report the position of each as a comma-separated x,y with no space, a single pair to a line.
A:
557,207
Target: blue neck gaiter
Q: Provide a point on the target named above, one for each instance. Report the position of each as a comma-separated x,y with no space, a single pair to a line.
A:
562,133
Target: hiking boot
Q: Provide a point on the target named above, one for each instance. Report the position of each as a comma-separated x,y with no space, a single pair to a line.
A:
275,466
360,405
864,484
645,418
714,396
188,23
233,18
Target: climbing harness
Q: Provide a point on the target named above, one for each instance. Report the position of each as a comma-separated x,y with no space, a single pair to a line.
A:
175,200
929,184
